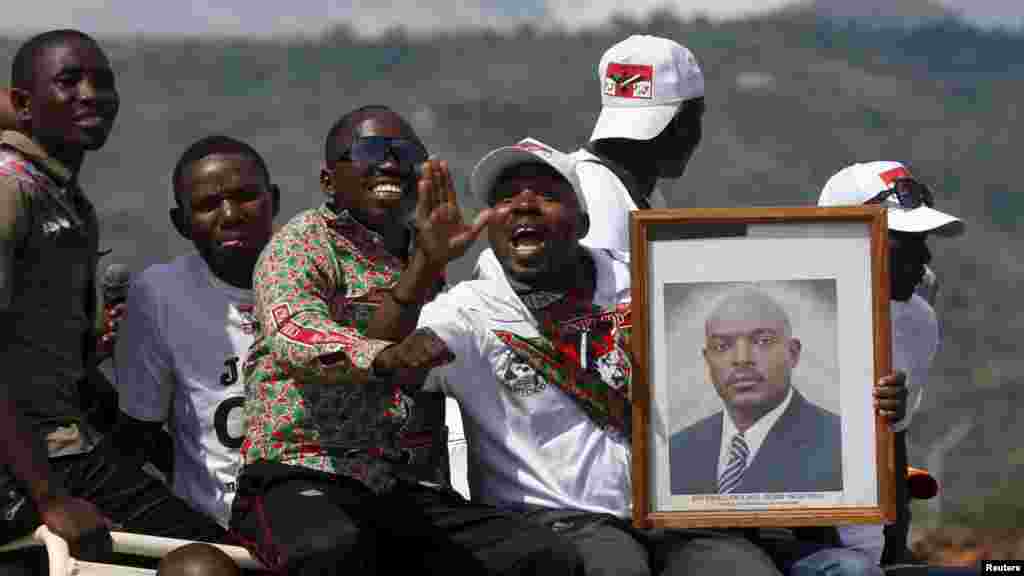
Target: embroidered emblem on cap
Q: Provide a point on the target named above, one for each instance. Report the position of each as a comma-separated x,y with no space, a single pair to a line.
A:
629,80
890,176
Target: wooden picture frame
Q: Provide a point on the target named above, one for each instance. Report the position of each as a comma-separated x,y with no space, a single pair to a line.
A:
696,270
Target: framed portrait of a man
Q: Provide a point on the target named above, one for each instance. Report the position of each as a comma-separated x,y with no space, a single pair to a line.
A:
758,336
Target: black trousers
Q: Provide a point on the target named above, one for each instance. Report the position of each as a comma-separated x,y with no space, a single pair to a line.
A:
131,498
304,522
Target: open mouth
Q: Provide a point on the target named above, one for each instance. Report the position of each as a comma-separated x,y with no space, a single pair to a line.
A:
387,191
233,244
89,121
526,240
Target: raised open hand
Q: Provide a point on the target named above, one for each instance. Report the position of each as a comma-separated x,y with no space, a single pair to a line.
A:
441,233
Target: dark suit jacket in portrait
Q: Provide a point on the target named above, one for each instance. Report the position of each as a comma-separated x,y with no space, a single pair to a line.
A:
801,453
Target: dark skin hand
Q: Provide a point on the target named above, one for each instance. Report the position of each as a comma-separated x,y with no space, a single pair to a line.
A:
890,397
441,236
73,519
408,362
80,523
108,337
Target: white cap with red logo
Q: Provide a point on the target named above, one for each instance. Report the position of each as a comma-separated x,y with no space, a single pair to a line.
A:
859,183
644,79
489,169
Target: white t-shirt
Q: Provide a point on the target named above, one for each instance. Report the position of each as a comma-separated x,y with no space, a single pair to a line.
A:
608,203
529,442
182,342
915,339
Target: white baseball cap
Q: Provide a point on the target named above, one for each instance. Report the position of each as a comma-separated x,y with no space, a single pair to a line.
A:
644,79
858,183
490,167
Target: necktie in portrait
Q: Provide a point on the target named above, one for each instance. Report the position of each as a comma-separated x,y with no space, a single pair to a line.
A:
733,472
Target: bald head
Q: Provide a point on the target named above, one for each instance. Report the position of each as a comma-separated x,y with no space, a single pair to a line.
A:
751,306
749,352
197,559
8,120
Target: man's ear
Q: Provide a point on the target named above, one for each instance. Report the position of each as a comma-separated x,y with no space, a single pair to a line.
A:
325,182
582,226
178,220
21,101
794,347
275,199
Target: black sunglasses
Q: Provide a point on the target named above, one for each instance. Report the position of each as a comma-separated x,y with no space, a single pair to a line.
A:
376,150
908,192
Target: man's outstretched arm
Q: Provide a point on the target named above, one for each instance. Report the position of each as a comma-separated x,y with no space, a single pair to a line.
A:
24,452
73,519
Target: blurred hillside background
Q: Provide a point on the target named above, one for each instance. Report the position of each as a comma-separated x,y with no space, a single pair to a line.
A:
792,96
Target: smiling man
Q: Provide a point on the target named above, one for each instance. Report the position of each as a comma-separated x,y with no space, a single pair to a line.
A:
54,469
769,438
327,484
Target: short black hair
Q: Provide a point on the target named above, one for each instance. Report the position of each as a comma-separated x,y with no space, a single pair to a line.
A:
213,144
346,123
23,65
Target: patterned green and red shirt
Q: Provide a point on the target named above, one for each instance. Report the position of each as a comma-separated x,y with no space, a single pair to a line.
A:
309,399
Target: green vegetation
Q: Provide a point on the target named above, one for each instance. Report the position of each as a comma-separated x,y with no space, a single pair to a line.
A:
945,98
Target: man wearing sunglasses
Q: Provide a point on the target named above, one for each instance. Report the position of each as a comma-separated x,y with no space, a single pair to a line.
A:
327,483
915,338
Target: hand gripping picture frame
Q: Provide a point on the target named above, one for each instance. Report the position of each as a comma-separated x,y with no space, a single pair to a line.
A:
758,336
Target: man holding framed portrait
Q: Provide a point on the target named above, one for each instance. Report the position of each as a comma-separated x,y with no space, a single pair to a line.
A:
539,359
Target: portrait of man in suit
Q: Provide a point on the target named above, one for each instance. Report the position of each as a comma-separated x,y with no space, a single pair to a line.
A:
768,438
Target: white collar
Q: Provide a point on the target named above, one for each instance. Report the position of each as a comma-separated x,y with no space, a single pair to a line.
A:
754,435
612,277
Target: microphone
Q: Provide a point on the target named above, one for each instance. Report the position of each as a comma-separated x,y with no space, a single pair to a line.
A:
116,280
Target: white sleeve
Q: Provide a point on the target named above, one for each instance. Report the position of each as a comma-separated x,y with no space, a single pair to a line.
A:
917,345
454,327
608,204
142,364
